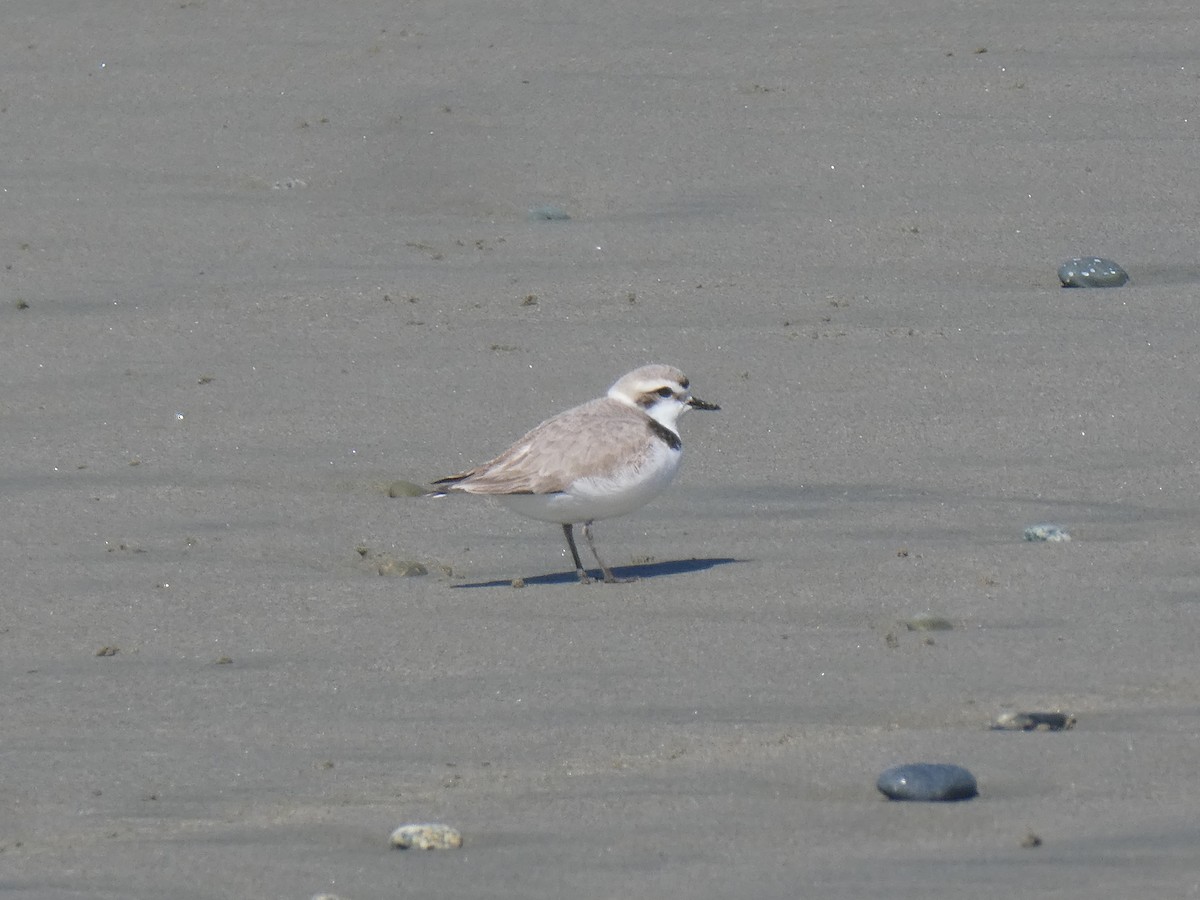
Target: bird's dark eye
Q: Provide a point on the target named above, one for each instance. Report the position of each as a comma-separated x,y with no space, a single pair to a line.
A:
664,392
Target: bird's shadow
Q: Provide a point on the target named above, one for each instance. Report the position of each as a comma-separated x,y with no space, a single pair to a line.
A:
640,572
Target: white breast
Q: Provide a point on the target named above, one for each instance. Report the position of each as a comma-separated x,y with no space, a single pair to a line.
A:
589,499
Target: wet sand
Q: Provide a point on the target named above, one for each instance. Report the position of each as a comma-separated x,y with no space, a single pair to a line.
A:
261,261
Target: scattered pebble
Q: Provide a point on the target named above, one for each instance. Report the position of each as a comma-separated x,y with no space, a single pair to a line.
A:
1033,721
406,489
1091,271
929,623
518,583
548,214
929,782
426,837
1054,534
1030,841
108,651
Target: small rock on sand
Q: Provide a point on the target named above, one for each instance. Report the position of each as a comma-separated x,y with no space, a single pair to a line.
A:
428,836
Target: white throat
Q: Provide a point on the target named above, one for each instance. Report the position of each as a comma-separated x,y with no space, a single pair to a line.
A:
667,412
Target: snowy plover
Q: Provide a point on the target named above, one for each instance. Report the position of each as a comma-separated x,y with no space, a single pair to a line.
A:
604,458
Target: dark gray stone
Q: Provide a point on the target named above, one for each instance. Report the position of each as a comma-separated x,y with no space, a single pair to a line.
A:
929,782
1091,271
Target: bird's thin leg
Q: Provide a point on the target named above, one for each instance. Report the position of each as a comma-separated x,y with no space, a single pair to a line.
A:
569,533
609,577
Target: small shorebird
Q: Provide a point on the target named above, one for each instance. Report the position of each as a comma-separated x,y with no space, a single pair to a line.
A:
604,458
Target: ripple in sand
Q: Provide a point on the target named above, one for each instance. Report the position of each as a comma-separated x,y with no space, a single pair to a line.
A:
1033,721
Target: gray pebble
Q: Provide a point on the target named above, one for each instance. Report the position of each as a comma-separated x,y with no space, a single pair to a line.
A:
929,782
429,836
1054,534
1091,271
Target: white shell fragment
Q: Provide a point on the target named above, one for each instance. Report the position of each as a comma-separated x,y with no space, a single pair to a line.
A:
426,837
1046,532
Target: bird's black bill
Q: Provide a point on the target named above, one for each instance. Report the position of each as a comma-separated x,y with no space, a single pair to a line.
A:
697,403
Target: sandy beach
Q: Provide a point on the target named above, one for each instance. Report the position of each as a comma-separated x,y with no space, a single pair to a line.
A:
262,260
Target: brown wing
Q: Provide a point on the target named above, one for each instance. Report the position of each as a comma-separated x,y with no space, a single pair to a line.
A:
593,438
